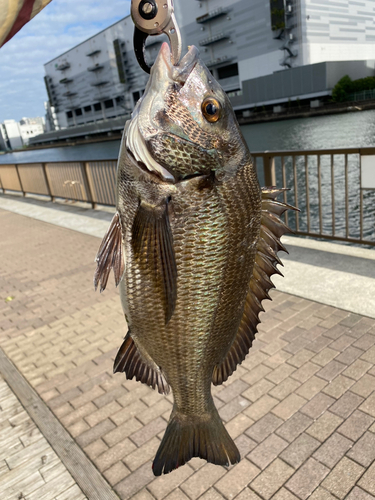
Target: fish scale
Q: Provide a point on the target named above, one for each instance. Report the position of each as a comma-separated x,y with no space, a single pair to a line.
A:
193,244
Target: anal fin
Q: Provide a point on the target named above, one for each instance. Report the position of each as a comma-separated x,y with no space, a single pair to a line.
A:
110,255
153,243
130,361
266,260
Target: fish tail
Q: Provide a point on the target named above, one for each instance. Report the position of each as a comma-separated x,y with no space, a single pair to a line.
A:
190,436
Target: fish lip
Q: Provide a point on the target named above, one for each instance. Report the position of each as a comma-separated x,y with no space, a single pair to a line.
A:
183,69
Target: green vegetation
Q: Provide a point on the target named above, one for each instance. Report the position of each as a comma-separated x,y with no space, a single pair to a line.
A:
346,86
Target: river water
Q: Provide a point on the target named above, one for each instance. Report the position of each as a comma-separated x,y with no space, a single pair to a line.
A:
356,129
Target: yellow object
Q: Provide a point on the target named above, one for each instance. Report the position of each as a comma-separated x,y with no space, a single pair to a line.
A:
16,13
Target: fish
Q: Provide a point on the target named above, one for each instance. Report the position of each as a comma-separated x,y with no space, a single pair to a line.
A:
193,245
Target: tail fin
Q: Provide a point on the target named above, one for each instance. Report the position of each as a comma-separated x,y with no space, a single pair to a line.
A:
193,436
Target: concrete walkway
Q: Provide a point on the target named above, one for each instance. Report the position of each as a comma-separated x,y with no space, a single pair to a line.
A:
301,407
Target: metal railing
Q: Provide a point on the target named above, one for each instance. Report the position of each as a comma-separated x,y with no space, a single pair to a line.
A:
336,200
334,189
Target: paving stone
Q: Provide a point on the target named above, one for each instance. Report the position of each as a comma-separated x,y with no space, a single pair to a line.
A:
365,342
359,494
307,478
311,387
256,374
264,427
349,355
202,480
356,425
233,390
369,355
142,454
368,406
299,450
357,369
113,454
246,494
318,405
321,494
272,478
267,451
281,373
319,344
258,409
211,494
367,481
133,483
233,408
258,390
237,479
324,426
343,477
347,403
338,386
324,357
305,371
244,444
333,450
116,473
284,388
238,425
294,426
363,451
290,405
95,432
331,370
148,431
165,484
284,494
365,386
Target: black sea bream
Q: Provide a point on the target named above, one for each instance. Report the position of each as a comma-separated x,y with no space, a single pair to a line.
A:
193,244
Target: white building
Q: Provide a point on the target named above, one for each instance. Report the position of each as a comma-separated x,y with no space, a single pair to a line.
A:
14,135
10,135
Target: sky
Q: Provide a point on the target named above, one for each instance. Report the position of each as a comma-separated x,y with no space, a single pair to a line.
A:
58,27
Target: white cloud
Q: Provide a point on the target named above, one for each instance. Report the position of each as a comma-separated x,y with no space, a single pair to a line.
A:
59,27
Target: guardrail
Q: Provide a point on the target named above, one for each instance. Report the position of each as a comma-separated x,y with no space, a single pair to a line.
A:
333,188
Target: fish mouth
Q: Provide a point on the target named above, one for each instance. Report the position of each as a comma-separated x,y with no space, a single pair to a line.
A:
183,69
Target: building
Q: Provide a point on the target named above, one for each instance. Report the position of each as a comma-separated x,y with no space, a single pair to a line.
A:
262,52
30,127
10,135
14,135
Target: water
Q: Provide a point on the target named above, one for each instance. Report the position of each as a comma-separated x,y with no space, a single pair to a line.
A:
347,130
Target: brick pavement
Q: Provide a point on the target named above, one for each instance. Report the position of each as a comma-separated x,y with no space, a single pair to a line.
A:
301,407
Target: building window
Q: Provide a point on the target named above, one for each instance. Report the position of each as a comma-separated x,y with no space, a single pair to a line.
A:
108,103
69,114
97,106
87,109
120,99
227,71
78,112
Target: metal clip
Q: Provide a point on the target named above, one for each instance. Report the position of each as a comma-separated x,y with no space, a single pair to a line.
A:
154,17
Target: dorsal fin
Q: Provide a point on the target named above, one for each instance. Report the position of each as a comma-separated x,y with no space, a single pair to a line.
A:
266,260
130,361
110,255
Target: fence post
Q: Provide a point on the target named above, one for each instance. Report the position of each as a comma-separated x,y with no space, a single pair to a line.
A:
47,181
269,170
86,178
19,179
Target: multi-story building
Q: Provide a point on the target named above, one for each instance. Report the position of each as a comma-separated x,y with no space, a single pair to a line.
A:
14,135
262,52
31,127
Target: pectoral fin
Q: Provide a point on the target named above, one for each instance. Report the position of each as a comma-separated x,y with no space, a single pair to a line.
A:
152,242
266,260
110,255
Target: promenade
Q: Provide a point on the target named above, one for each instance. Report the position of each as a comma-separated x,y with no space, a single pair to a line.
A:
301,407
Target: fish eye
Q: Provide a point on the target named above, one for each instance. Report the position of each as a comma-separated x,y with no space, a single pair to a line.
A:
211,109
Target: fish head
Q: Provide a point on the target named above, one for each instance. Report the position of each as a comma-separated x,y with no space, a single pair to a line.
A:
184,124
